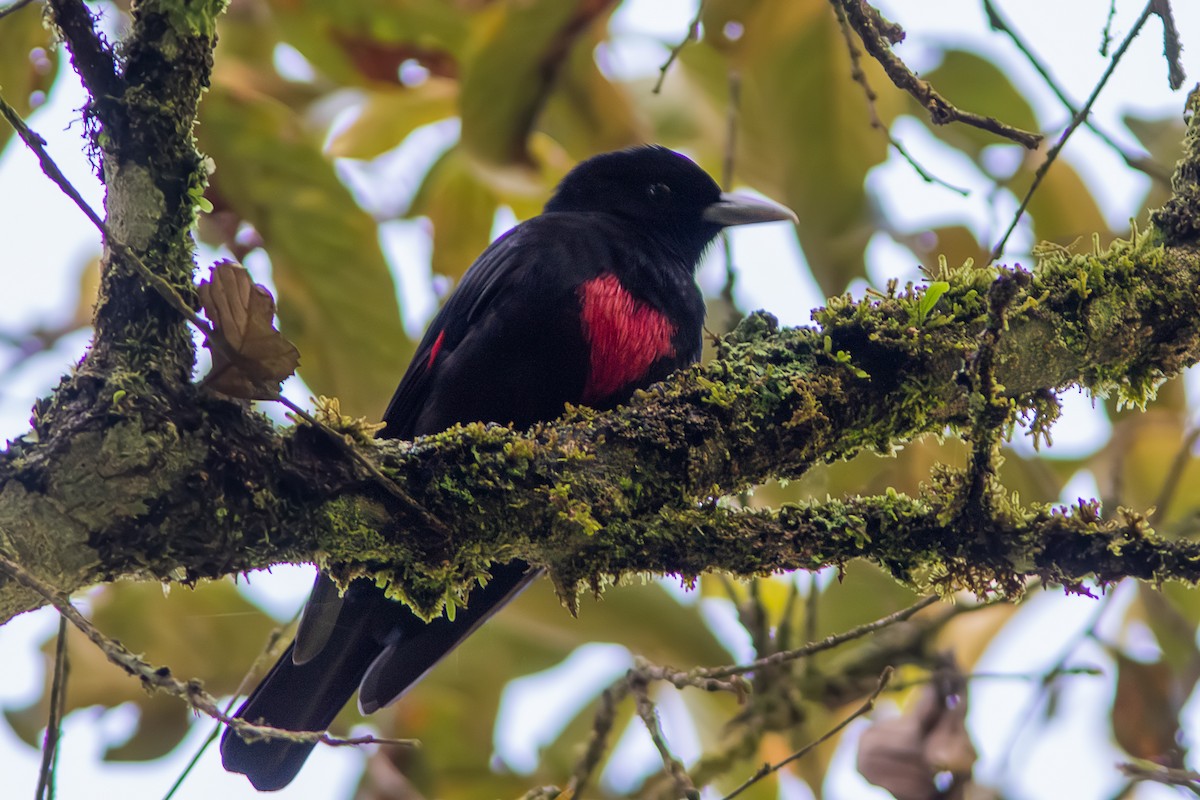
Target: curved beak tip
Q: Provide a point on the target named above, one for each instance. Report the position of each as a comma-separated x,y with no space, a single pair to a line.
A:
740,209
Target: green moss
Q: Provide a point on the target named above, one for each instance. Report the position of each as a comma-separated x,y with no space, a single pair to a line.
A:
351,534
187,18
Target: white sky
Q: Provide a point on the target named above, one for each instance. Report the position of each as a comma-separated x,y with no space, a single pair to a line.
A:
44,240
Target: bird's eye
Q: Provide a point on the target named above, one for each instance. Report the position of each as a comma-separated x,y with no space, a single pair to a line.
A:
659,192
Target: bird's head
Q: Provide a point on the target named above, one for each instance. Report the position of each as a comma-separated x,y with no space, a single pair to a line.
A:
657,188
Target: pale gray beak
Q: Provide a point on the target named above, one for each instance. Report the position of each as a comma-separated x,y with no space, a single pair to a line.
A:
739,209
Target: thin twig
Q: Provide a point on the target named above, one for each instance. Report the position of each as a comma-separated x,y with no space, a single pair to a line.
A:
37,145
267,649
813,648
769,769
712,678
693,34
1172,47
1183,457
812,615
727,168
58,696
354,454
602,725
160,678
17,6
1143,163
859,76
1023,677
1106,36
941,110
649,716
195,759
1148,771
1076,121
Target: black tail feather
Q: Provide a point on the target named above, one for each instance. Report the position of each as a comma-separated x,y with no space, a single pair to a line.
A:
375,642
407,658
294,698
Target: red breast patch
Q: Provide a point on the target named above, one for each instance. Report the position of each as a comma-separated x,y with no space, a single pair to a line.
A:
625,336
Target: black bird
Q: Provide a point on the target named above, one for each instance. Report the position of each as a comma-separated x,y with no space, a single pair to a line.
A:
585,303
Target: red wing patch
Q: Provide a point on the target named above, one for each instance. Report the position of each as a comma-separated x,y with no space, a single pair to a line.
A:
625,336
433,351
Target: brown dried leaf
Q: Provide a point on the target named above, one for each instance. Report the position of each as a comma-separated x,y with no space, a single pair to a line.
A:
250,357
889,756
1145,712
906,754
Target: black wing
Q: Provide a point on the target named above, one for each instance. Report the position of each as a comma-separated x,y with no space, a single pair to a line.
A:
445,331
507,346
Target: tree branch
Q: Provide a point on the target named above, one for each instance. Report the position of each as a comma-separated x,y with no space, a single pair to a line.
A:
91,56
132,471
199,487
877,37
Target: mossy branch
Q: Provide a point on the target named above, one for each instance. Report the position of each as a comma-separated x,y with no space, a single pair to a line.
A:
201,487
131,471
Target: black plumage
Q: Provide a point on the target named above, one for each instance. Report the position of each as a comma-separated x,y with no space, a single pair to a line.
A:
585,303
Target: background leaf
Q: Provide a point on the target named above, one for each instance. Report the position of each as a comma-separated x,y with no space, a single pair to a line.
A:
337,299
28,62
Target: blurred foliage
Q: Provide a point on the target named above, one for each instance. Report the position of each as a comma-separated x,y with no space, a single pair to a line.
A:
194,631
28,62
306,95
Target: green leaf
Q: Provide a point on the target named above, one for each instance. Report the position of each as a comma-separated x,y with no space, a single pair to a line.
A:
515,52
337,299
804,134
391,113
929,299
461,210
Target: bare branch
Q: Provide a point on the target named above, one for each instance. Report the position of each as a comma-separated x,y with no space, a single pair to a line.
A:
17,5
160,678
1076,121
645,709
1156,773
941,111
1143,163
693,35
770,769
1172,48
860,77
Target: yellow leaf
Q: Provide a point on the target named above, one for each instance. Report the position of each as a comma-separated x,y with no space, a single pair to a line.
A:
391,113
28,60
